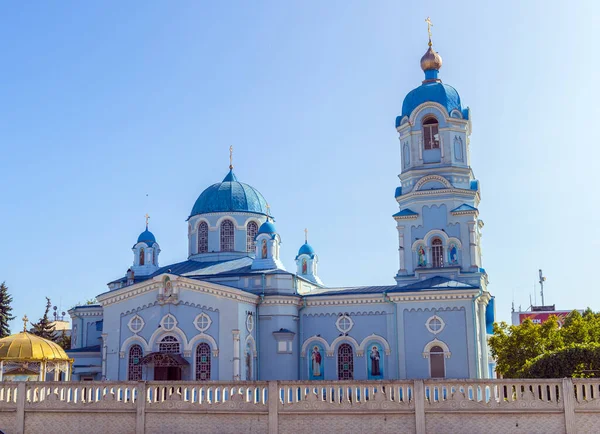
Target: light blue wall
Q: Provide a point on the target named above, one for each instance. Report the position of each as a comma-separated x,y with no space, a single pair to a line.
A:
416,337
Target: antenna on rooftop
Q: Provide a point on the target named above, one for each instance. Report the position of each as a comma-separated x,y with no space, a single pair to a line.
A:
542,280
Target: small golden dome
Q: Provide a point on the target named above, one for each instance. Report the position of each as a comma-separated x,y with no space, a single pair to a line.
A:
28,347
431,60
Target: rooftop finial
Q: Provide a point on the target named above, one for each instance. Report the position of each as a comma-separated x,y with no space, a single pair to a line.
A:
147,218
231,158
25,319
268,211
305,235
429,26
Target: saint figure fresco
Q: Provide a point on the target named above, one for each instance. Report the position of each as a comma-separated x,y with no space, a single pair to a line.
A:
375,358
264,249
421,255
316,362
453,253
304,266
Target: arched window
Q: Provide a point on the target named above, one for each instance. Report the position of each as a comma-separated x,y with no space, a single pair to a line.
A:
345,362
437,253
436,362
202,237
203,362
169,344
142,256
134,373
251,231
227,236
431,135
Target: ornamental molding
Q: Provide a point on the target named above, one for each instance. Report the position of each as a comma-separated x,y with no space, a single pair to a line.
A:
440,191
179,282
279,300
428,178
474,212
416,296
407,217
98,312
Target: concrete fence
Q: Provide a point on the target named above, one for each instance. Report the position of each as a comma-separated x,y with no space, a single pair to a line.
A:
420,406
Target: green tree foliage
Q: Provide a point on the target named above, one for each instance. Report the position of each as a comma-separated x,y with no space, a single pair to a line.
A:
530,350
44,327
578,360
5,310
63,340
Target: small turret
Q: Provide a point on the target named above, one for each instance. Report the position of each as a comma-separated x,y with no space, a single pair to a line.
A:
145,253
267,248
307,261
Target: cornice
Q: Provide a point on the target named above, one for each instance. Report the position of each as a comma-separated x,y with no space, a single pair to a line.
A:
434,295
407,217
438,192
469,212
179,282
87,312
281,300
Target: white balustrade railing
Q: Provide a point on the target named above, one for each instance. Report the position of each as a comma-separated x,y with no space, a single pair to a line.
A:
493,391
586,390
207,392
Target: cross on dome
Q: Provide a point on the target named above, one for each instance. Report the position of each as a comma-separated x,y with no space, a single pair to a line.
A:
429,26
25,319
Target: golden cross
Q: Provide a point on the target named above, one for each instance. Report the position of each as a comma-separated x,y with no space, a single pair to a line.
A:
230,157
147,218
25,319
429,26
268,211
305,235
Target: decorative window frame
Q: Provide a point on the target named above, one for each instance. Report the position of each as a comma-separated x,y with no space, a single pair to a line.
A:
249,322
199,338
197,319
130,324
428,324
433,343
221,235
338,322
197,231
164,319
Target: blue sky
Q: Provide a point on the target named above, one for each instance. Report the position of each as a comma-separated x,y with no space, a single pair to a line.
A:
113,109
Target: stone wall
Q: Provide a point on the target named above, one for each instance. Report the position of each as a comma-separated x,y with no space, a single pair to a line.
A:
420,406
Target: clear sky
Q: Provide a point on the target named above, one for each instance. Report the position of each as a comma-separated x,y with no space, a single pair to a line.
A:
112,109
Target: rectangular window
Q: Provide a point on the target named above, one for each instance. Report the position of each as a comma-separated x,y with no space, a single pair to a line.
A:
431,137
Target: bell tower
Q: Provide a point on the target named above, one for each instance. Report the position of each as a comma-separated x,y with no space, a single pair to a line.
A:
439,229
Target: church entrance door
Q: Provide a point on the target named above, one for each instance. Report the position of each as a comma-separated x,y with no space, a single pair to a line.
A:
164,373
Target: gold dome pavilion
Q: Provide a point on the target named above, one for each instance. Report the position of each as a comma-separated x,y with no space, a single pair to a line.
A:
25,356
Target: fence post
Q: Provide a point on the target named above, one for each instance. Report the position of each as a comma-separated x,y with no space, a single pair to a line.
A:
140,418
20,415
273,403
419,388
568,393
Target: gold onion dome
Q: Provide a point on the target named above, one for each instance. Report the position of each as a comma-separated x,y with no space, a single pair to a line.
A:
431,60
28,347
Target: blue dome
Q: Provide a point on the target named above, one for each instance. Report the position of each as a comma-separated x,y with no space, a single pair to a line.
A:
230,195
146,237
306,249
434,91
267,228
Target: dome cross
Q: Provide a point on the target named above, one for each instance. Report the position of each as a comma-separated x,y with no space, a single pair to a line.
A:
306,235
429,26
147,218
25,319
230,157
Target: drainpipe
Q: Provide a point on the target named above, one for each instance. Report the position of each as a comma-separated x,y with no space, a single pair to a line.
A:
300,336
475,327
386,299
262,299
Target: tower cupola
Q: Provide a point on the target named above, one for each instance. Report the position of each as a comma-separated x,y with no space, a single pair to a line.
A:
307,261
267,243
145,253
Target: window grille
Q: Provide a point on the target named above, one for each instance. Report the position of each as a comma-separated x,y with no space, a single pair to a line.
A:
134,372
169,344
227,236
437,253
251,231
203,362
431,136
203,237
345,362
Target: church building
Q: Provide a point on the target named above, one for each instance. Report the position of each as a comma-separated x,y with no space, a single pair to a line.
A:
231,311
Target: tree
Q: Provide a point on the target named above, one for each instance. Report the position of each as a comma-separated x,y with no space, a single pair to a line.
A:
536,350
5,310
44,327
63,340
